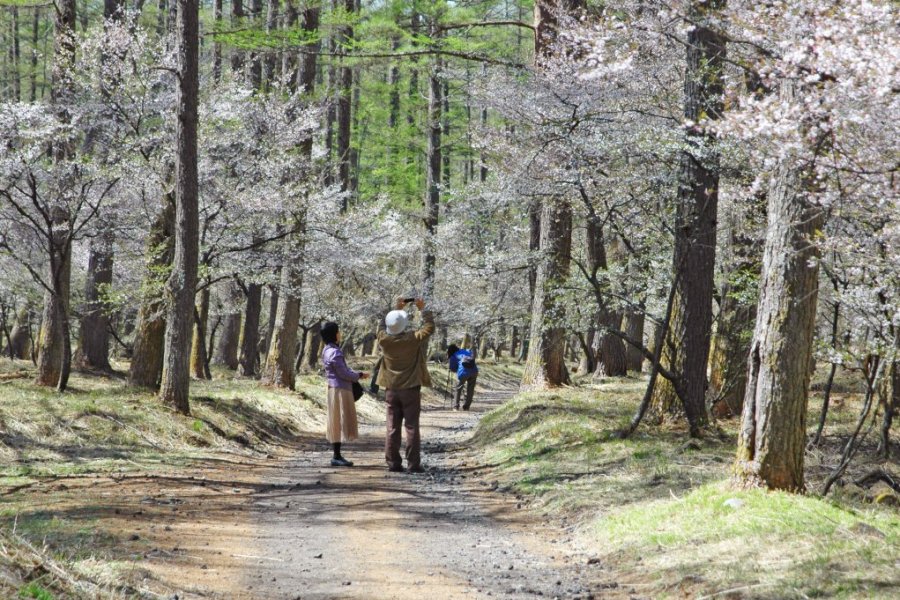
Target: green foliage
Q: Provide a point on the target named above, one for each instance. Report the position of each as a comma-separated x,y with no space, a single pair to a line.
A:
36,591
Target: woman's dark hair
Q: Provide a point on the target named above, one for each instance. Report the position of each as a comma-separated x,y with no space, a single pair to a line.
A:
329,332
452,349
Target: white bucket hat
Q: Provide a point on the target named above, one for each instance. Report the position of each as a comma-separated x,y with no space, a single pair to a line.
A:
396,321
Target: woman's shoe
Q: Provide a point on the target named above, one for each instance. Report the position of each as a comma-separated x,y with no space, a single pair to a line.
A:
341,462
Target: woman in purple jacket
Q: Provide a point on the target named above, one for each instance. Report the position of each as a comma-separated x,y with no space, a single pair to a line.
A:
340,424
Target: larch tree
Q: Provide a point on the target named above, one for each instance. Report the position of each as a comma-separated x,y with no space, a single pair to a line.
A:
280,360
182,282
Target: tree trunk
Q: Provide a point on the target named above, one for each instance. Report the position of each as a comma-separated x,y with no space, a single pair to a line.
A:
687,346
182,282
15,55
289,57
890,407
634,329
94,341
217,45
273,314
586,341
271,26
147,353
255,57
229,339
20,336
610,354
35,38
237,21
534,242
282,355
311,348
249,360
199,362
546,365
344,104
737,311
772,438
52,340
728,358
432,181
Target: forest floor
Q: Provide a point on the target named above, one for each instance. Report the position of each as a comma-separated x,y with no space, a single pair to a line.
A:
104,493
140,509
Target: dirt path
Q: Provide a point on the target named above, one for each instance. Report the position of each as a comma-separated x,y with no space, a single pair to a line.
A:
310,531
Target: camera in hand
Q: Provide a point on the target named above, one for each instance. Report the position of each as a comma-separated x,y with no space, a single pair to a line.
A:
408,300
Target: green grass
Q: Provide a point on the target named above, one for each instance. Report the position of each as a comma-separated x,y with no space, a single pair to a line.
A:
661,511
36,591
781,545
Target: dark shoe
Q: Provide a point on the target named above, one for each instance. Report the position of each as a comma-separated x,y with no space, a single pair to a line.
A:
416,469
396,469
341,462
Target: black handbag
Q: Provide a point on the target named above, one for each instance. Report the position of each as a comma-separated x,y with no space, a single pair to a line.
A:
357,391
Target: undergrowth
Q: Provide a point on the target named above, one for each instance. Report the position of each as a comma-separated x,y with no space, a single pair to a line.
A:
659,511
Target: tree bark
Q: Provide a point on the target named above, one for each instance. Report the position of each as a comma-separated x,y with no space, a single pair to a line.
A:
730,350
546,365
432,181
20,336
687,347
281,357
237,21
147,354
534,242
217,45
271,57
182,282
282,353
35,37
514,341
772,437
289,57
256,71
94,339
311,348
272,315
53,346
610,353
634,329
344,103
249,360
15,55
199,362
226,353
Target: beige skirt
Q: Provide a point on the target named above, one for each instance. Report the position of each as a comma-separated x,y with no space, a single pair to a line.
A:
340,424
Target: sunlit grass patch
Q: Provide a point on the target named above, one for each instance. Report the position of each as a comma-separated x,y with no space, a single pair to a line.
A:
562,448
776,545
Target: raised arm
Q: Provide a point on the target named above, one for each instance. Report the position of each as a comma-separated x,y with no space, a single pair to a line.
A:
427,328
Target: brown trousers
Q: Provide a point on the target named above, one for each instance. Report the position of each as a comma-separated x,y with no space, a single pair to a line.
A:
403,407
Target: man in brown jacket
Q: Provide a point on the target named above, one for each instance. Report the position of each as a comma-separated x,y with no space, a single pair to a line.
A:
403,373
